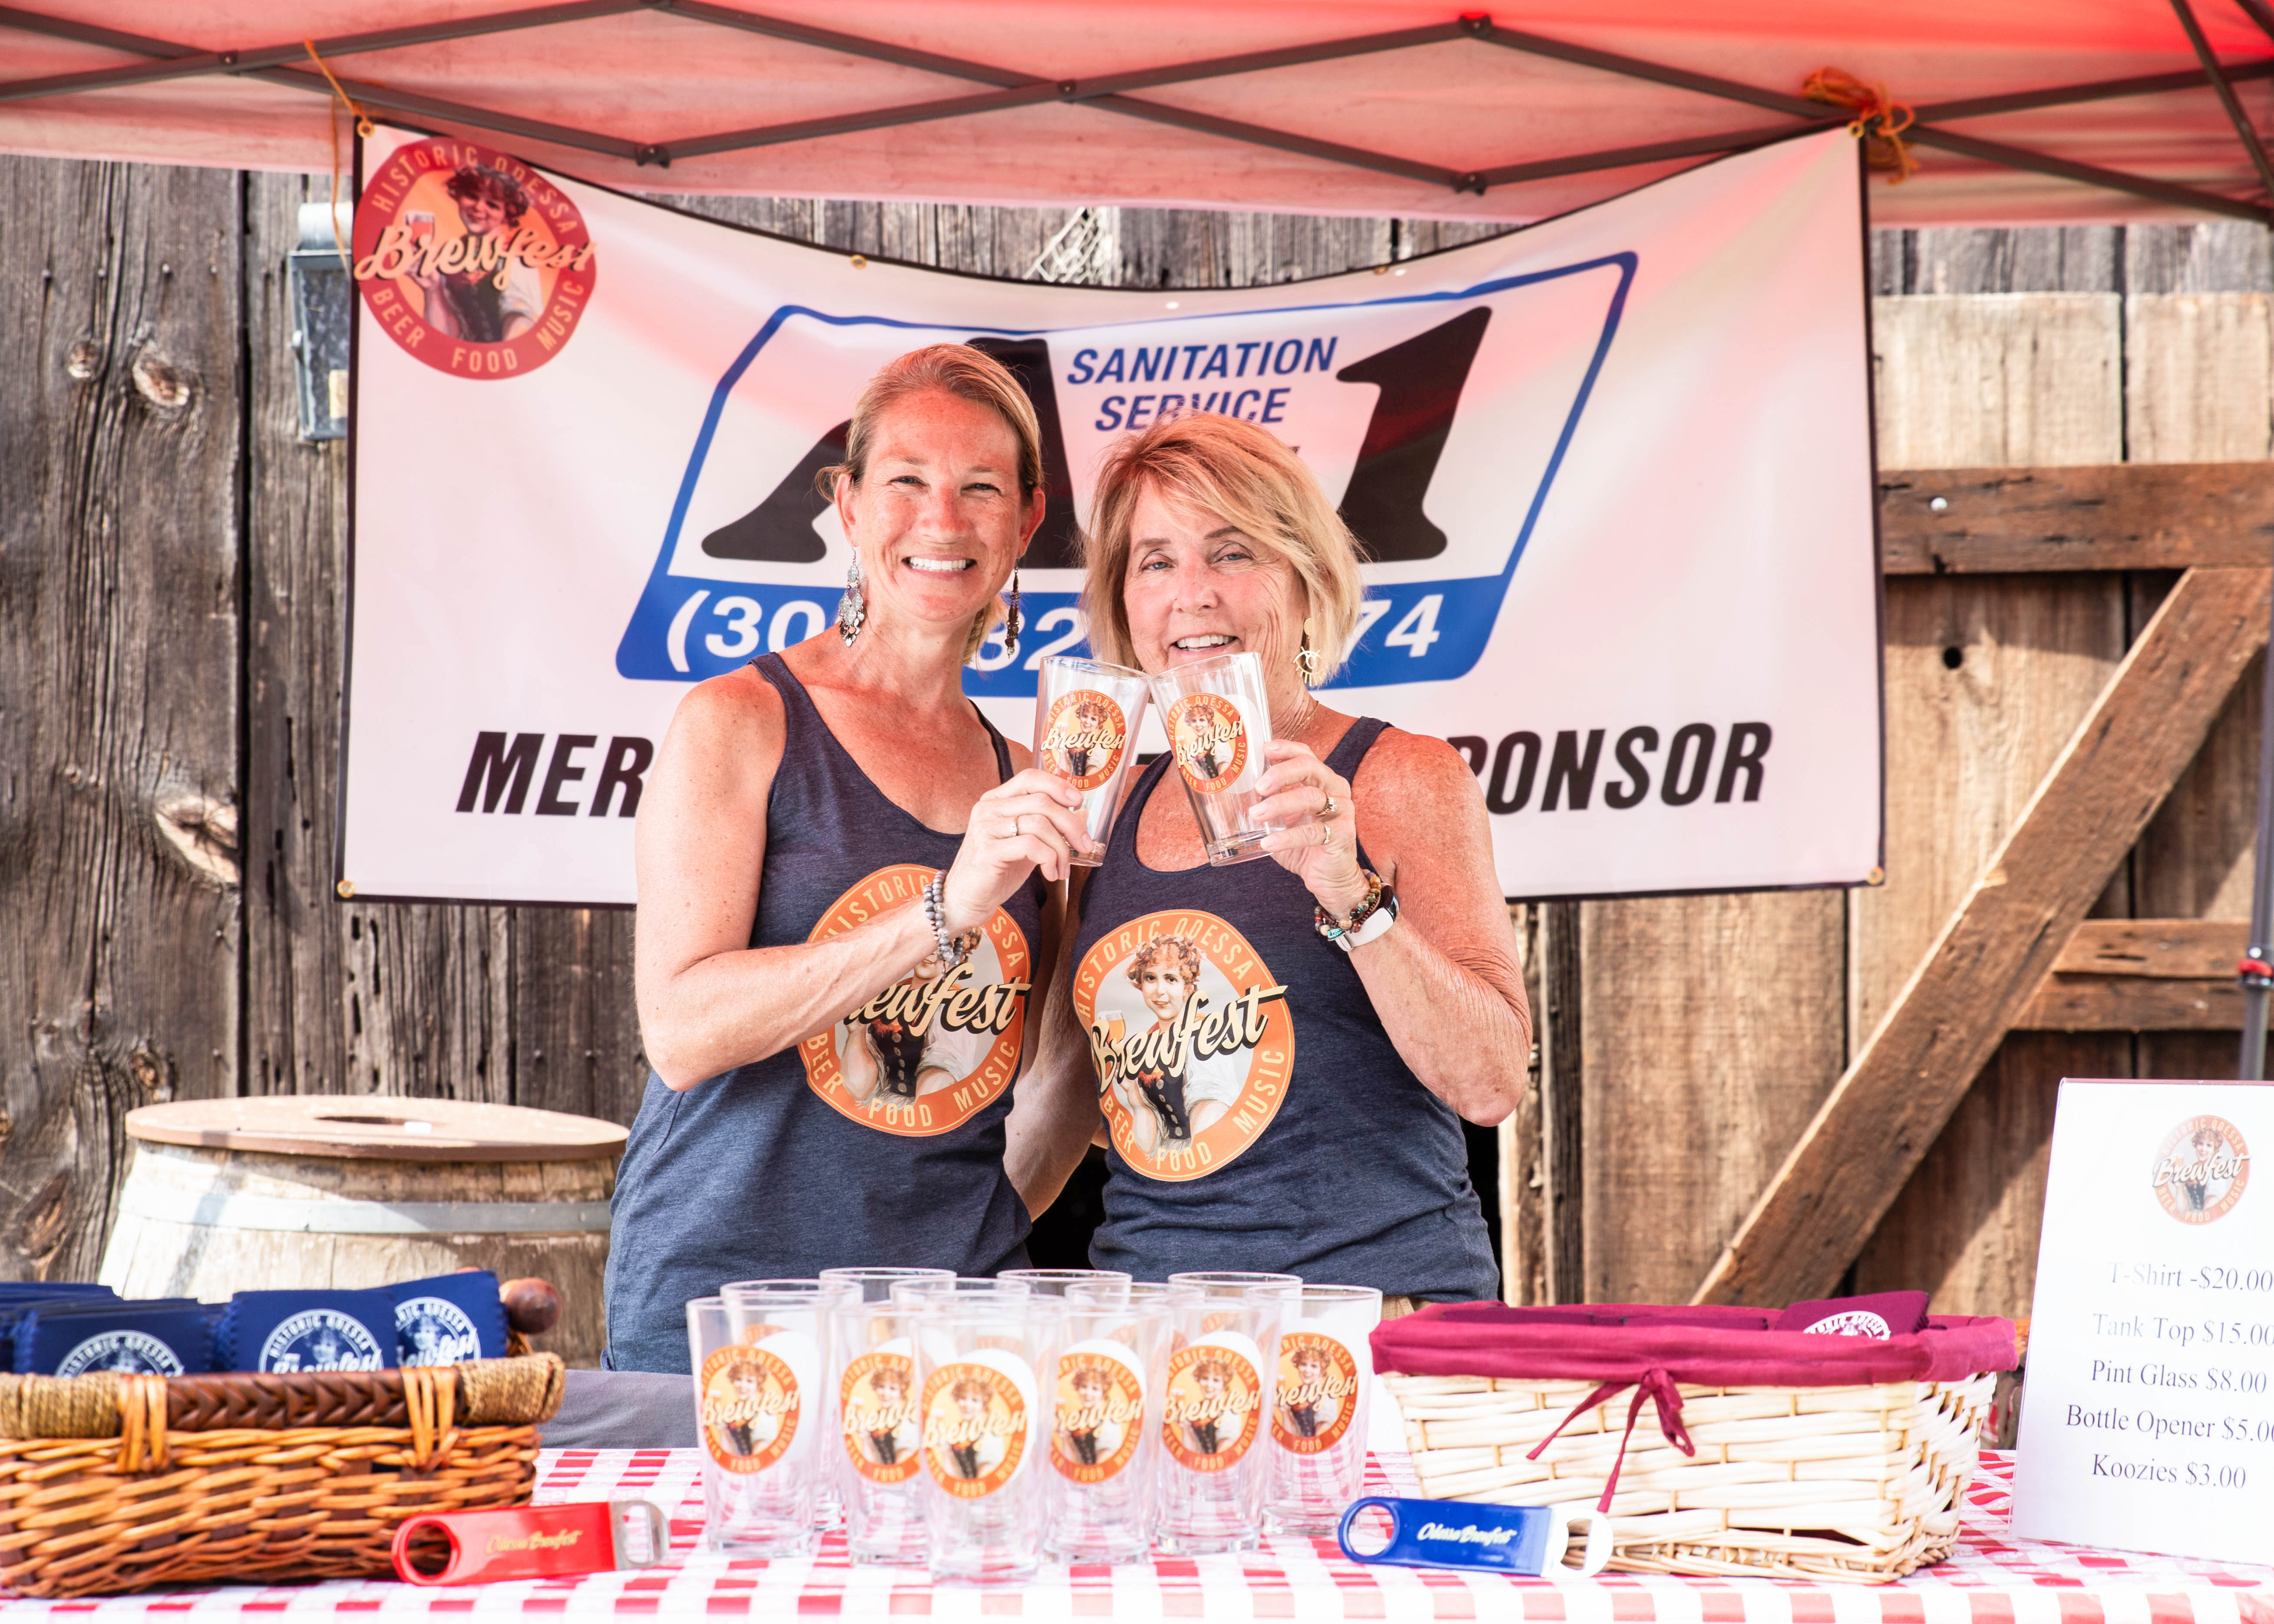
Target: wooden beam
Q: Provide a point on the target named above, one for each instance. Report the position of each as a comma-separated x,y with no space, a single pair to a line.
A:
2007,933
2143,975
2123,515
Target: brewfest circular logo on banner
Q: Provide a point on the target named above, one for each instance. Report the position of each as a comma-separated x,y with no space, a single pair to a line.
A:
471,260
1317,1393
924,1055
1209,740
1209,1417
750,1407
1083,740
1192,1039
1101,1415
2201,1169
974,1428
882,1426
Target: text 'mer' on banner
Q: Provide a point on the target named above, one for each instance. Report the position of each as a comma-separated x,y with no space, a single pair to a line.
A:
1613,472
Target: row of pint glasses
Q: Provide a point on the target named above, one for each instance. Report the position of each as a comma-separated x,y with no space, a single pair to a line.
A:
1213,715
981,1427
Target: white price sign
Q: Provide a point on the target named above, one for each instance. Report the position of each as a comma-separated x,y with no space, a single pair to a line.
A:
2147,1420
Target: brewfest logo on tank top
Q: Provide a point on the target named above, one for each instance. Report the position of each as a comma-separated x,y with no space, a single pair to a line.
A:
2201,1169
974,1428
1083,740
471,260
750,1407
1101,1414
1192,1039
925,1053
1209,740
1214,1400
1317,1393
882,1426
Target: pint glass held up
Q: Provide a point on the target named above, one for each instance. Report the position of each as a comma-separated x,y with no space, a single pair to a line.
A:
1086,718
1218,721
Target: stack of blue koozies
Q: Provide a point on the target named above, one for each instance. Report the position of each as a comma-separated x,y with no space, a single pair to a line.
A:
73,1329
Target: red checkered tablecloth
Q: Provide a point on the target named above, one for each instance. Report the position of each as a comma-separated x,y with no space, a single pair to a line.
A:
1994,1579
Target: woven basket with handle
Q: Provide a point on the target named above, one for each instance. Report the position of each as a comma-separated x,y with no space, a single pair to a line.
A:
1854,1474
110,1484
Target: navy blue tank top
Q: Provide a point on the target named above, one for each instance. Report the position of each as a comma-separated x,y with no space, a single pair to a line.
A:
879,1142
1260,1115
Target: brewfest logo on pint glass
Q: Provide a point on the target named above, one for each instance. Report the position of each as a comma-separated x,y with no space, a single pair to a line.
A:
471,260
750,1407
1100,1417
924,1055
882,1426
1085,738
1210,1416
1317,1393
974,1428
2201,1169
1192,1039
1209,740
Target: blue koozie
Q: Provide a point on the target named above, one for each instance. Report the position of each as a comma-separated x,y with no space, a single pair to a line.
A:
285,1332
450,1318
1509,1539
79,1335
16,1296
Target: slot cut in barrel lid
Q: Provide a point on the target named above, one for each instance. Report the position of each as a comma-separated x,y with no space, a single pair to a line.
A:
377,1128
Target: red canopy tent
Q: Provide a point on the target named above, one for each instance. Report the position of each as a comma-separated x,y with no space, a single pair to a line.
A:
2020,109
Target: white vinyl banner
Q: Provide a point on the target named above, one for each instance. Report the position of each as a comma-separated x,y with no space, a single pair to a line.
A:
1613,472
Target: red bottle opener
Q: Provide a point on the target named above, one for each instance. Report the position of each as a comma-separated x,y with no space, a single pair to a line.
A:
534,1542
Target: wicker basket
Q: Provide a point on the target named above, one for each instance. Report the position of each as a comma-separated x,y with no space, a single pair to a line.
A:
1860,1483
109,1484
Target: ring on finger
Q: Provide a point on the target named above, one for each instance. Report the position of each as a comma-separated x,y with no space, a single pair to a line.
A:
1327,810
1012,832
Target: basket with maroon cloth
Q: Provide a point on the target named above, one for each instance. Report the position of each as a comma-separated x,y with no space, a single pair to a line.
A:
1718,1445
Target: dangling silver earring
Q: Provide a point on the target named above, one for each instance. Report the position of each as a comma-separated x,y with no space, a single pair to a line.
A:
1013,620
853,608
1306,658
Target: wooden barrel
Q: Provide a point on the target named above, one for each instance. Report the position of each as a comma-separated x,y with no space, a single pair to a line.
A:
324,1191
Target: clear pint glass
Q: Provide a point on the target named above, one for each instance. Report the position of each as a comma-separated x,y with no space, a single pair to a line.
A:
982,1361
875,1285
1215,1408
1086,716
755,1404
956,1288
1057,1283
1319,1409
873,1375
1105,1440
1217,722
754,1307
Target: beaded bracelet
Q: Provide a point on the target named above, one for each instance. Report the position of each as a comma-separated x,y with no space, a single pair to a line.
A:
953,950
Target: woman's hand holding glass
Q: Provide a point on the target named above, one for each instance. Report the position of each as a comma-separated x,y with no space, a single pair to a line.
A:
1032,820
1316,825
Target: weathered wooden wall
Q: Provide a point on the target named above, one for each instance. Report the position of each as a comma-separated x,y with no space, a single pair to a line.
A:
171,616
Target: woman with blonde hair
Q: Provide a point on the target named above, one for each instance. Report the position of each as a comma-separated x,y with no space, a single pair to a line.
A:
1378,931
841,897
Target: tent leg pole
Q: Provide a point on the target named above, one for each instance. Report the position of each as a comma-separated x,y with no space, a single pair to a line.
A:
2253,970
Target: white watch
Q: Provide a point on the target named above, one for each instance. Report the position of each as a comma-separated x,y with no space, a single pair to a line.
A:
1377,924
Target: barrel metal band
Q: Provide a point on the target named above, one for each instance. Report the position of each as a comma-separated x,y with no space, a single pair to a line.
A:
224,1211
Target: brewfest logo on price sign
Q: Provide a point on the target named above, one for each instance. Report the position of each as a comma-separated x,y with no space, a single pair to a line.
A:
2148,1422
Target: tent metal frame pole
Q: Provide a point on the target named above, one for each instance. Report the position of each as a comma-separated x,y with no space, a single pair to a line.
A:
2254,973
2227,98
1014,88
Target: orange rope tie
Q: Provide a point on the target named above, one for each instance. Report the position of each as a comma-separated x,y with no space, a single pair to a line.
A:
364,128
1880,119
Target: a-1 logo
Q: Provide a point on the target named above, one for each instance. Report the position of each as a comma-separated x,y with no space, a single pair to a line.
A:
1437,421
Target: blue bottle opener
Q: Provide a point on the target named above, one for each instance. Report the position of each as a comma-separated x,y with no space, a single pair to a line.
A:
1510,1539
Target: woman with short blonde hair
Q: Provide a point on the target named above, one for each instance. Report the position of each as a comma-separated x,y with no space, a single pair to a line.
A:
1361,990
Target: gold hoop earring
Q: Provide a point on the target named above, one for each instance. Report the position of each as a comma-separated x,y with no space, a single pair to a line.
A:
1306,658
